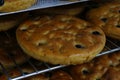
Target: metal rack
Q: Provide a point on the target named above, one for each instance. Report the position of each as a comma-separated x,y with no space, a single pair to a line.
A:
112,45
40,4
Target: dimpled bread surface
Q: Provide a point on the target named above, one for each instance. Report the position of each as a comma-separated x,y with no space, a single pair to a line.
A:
60,39
15,5
107,17
106,67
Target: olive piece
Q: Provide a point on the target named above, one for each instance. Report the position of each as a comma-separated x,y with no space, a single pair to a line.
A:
96,33
104,19
118,26
79,46
85,72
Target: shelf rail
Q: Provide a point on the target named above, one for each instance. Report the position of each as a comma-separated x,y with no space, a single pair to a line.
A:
111,46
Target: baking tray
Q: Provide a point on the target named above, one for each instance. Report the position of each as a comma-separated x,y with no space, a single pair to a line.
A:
41,4
111,46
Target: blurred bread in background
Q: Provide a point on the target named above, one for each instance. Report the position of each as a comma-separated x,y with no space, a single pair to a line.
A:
73,9
15,5
10,21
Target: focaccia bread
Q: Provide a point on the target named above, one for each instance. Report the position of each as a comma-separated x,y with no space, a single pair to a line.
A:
113,73
101,68
107,17
15,5
60,39
9,21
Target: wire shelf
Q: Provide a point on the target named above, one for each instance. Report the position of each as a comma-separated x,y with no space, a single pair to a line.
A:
112,45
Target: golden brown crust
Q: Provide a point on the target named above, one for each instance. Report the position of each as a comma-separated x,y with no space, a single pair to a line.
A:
101,68
56,75
15,5
37,77
113,73
10,21
107,16
60,75
60,39
87,72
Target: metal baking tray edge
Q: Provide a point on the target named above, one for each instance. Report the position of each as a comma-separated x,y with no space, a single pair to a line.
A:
61,66
41,4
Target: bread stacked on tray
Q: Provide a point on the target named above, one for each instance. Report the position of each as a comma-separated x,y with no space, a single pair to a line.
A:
107,17
62,38
26,69
9,21
106,67
10,52
9,49
16,5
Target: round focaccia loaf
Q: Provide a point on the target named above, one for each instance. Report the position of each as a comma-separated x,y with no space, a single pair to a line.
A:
107,16
60,39
15,5
105,67
10,21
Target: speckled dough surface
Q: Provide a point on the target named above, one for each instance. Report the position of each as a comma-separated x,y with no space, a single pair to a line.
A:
15,5
107,16
106,67
60,39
